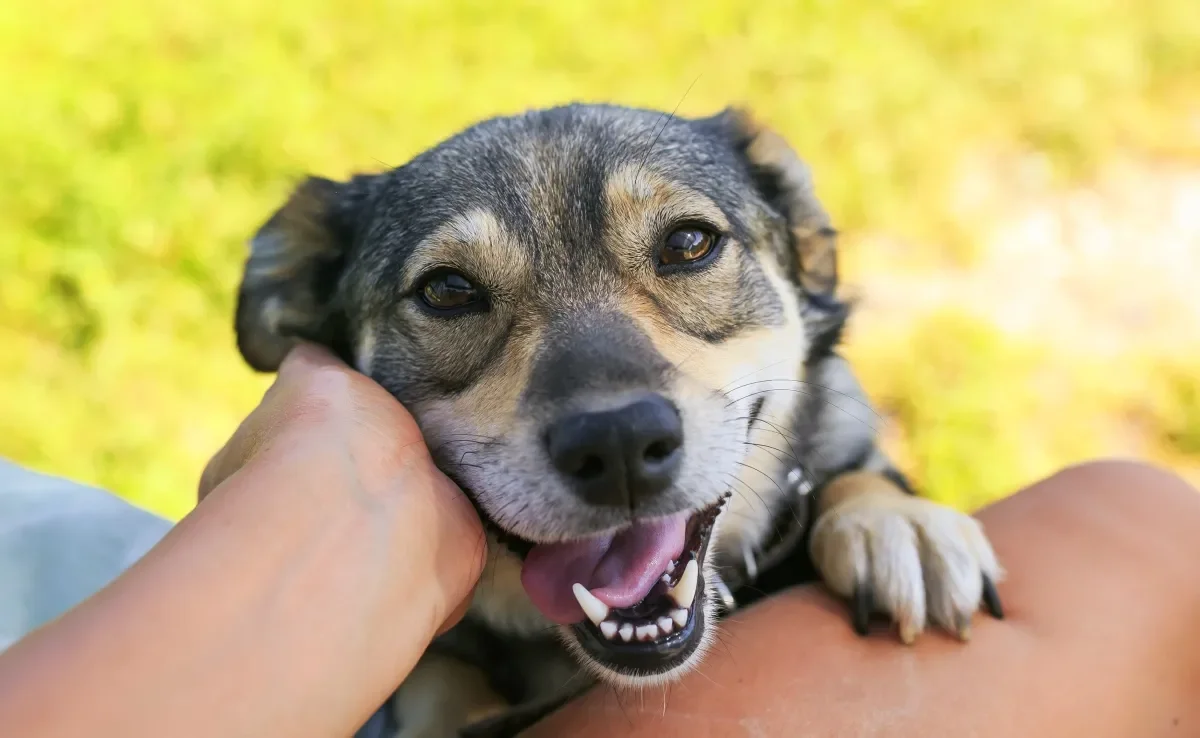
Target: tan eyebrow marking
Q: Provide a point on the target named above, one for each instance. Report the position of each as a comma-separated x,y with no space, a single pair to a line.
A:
476,242
639,202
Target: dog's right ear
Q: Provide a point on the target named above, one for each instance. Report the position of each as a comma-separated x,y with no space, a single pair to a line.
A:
290,285
785,182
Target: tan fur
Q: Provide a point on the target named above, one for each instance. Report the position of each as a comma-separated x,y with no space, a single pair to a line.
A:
441,696
365,356
641,207
500,599
816,249
640,203
760,363
815,241
477,243
745,366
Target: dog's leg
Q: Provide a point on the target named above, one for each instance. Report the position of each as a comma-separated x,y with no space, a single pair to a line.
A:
441,696
518,719
888,550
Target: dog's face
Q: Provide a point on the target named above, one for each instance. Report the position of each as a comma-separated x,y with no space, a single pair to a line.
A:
589,311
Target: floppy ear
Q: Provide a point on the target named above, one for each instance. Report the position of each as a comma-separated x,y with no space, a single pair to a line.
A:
289,288
786,183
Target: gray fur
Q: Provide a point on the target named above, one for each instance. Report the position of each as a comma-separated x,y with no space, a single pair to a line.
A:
556,214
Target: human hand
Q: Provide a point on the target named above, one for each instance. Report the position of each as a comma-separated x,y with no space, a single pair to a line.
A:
321,419
326,552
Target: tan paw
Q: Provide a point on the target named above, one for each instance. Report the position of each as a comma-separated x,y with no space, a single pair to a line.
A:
914,559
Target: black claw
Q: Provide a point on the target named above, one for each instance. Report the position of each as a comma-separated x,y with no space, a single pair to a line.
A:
991,599
862,609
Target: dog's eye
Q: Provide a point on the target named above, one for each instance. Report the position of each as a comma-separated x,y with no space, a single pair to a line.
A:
450,291
685,245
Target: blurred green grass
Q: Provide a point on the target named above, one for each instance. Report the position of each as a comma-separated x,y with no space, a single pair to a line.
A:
142,142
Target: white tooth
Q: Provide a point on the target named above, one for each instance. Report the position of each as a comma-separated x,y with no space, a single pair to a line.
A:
684,592
671,568
596,610
609,629
680,617
627,632
647,632
666,625
666,578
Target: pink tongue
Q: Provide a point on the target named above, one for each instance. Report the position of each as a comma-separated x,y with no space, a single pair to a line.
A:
619,569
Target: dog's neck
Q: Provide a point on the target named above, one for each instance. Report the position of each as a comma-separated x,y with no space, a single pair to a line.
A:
735,569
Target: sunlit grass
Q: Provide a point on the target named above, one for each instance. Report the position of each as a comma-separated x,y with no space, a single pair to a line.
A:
142,142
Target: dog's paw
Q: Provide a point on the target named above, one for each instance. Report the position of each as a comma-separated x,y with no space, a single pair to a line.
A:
911,558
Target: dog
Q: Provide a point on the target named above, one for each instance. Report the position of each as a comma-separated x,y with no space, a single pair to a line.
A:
618,331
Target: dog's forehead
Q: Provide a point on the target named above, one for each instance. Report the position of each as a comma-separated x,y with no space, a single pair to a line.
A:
545,176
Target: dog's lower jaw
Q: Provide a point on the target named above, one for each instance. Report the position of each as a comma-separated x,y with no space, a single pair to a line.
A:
704,624
666,633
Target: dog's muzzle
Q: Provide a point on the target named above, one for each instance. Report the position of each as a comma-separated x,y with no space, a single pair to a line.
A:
634,599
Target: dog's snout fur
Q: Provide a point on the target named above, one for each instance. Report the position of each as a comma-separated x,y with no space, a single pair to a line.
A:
622,457
614,437
592,354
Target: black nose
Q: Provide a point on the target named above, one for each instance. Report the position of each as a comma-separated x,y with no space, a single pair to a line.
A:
618,457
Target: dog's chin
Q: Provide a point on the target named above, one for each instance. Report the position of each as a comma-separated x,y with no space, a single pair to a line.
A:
643,664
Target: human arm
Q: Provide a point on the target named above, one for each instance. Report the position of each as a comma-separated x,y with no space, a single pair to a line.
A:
1100,638
327,551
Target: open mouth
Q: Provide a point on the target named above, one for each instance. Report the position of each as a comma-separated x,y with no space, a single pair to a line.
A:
634,598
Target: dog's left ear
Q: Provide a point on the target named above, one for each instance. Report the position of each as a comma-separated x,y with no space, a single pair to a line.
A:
785,182
289,289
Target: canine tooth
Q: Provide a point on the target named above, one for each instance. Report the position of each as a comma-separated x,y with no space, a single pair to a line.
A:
680,617
685,591
647,632
609,629
627,632
666,625
671,567
596,610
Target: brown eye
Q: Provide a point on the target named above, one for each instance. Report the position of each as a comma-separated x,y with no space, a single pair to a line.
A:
450,291
686,245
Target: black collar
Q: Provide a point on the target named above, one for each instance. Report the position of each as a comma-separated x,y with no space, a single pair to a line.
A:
789,529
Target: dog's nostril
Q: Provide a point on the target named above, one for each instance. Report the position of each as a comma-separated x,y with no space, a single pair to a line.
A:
660,450
618,457
592,467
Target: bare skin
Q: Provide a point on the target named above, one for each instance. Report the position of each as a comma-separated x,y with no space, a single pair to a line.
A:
326,554
1102,638
328,550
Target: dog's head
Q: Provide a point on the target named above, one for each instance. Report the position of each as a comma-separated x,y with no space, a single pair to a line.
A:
596,315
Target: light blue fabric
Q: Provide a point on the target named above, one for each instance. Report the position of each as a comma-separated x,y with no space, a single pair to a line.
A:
59,543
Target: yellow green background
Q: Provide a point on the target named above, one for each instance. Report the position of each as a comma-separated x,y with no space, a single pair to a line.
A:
142,142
